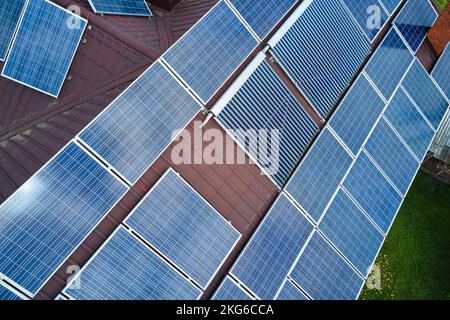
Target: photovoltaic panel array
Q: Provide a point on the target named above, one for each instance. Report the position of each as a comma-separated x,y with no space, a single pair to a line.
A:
275,137
207,55
265,262
345,225
262,15
6,294
10,13
390,5
421,88
184,228
324,274
124,268
441,72
414,20
290,292
357,114
389,64
318,176
229,290
122,7
46,219
321,51
369,14
44,47
140,124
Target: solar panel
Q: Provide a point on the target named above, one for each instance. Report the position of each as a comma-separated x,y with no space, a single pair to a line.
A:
262,15
409,123
392,156
229,290
324,274
7,294
367,185
122,7
390,5
255,109
290,292
357,114
389,63
207,55
441,72
10,12
140,124
126,269
182,226
421,88
51,214
44,47
369,14
351,232
265,262
319,174
414,20
321,51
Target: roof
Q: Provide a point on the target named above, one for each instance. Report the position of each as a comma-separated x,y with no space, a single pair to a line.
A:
439,35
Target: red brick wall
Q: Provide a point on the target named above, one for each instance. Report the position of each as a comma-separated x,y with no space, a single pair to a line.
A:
439,35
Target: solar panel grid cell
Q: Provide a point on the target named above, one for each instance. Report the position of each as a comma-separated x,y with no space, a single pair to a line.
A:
10,12
290,292
126,7
8,295
230,291
441,72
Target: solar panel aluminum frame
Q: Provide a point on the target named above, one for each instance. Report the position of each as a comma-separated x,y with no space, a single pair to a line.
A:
155,249
71,60
423,40
174,138
230,4
359,26
120,13
180,78
294,283
437,65
127,188
6,285
79,273
243,288
15,31
393,11
229,95
300,211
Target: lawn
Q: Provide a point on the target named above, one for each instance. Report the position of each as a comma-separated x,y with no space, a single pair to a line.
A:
415,259
442,4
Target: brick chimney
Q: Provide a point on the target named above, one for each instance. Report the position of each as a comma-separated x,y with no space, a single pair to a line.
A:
165,4
439,35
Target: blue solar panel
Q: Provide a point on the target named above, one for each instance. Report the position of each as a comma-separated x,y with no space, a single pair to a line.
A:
389,63
390,5
322,52
392,156
44,47
351,232
126,7
324,274
256,107
369,14
181,225
229,290
441,72
138,126
426,95
265,262
414,20
373,192
8,295
357,114
50,215
319,174
10,12
291,292
126,269
263,15
212,51
409,123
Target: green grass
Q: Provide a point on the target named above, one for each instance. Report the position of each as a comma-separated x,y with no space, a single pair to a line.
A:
442,4
415,259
